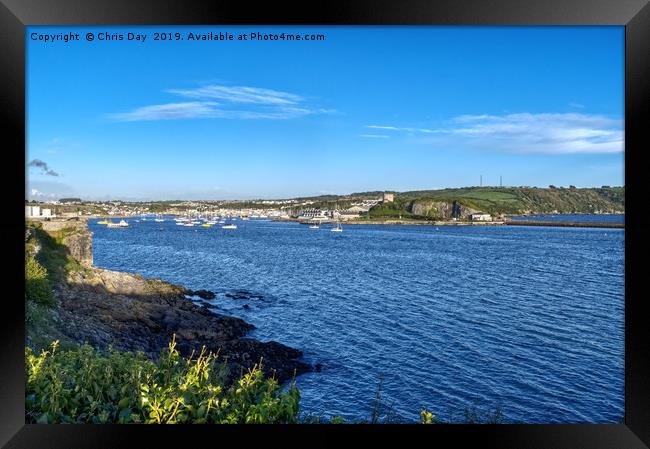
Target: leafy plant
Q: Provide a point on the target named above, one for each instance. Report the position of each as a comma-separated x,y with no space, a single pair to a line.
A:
81,385
37,284
426,417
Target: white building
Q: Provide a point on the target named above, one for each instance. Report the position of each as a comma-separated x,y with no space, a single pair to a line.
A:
32,211
37,212
481,217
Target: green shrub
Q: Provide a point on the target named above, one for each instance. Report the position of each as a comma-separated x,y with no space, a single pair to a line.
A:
82,385
37,284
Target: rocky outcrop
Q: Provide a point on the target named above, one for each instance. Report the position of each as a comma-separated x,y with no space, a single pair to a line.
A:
74,234
441,209
131,313
127,312
203,294
434,209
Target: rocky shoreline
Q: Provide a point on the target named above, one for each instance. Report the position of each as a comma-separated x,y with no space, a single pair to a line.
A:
127,312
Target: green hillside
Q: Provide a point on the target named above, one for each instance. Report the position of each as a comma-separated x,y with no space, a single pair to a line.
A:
504,200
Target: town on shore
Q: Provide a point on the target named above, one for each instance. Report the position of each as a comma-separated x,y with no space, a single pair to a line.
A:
462,206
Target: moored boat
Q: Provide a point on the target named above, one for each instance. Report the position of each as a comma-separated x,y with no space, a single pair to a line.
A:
121,224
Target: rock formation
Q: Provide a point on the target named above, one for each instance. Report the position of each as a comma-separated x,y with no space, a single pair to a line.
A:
127,312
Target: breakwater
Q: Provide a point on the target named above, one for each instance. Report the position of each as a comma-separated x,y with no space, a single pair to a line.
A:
565,224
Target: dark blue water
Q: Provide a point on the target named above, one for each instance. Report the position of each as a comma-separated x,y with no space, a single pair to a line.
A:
528,319
581,218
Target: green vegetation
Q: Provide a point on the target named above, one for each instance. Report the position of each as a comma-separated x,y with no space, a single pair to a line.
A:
47,260
396,209
84,386
52,254
506,200
37,284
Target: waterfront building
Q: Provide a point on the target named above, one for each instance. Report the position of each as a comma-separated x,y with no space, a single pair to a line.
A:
314,214
388,197
481,217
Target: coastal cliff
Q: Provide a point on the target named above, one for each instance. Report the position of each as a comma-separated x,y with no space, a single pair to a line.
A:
442,210
127,312
460,203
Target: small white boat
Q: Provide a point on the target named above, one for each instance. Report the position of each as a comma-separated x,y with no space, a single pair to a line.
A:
229,226
159,218
188,225
314,227
337,228
121,224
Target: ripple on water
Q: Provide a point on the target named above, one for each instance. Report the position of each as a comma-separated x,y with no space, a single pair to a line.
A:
529,319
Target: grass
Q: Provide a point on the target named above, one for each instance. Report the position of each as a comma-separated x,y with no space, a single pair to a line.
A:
37,282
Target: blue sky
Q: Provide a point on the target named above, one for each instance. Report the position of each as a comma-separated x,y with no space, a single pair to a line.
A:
368,108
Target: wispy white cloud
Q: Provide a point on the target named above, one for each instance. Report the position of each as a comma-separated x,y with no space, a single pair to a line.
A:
240,94
235,102
37,194
169,111
47,189
375,136
542,133
411,130
550,133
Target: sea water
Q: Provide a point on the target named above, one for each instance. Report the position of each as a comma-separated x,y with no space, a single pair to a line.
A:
525,319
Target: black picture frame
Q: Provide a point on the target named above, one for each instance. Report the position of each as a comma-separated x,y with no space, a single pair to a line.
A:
15,15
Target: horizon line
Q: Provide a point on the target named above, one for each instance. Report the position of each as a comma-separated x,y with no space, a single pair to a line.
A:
550,186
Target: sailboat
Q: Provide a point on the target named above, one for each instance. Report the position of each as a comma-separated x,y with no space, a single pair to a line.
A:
315,226
159,218
337,228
